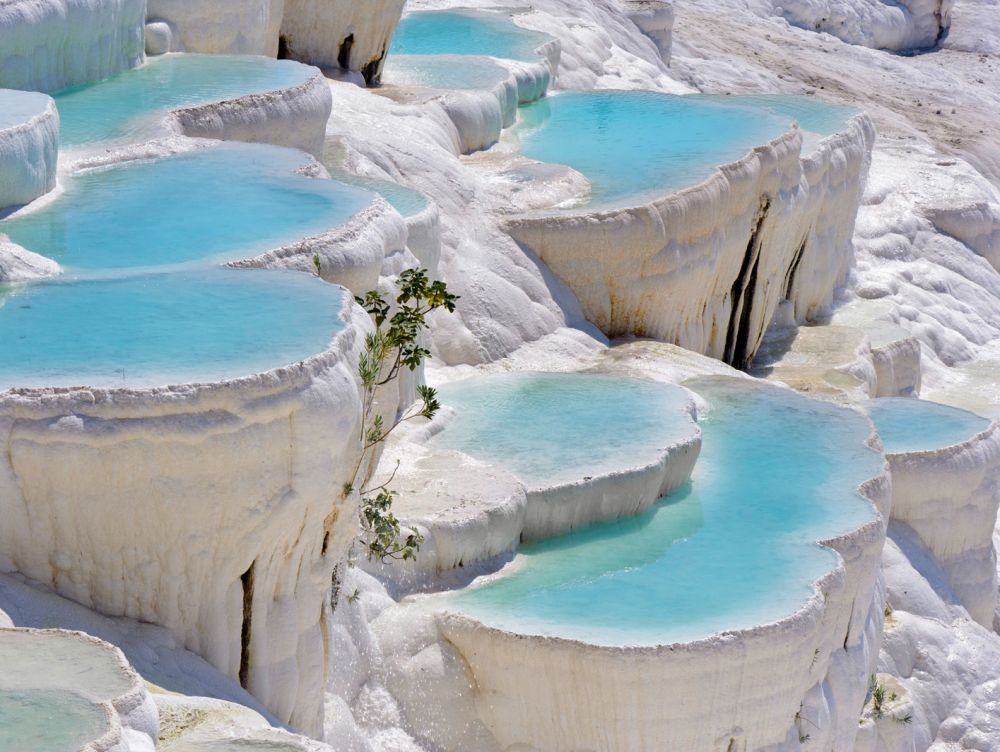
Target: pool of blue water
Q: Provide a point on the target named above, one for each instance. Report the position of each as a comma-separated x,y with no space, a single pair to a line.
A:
817,118
17,107
49,720
555,428
634,144
406,201
914,425
442,72
227,202
155,329
466,32
734,549
131,105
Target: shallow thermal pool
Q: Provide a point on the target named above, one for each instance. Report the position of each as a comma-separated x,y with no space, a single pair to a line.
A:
817,118
230,201
466,32
18,107
735,549
634,145
132,104
914,425
407,201
146,330
443,72
550,429
48,720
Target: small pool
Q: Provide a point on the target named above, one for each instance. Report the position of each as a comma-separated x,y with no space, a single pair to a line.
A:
550,429
53,721
131,105
914,425
816,118
407,201
634,145
466,32
157,329
230,201
18,107
735,549
443,72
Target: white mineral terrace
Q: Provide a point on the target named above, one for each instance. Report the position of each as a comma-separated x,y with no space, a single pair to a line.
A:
29,144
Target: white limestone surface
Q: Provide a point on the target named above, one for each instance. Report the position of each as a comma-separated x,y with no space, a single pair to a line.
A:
76,665
29,146
18,264
349,34
897,26
214,510
667,269
949,496
655,19
47,45
233,27
742,689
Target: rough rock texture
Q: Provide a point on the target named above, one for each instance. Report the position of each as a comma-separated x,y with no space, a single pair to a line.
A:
236,27
46,45
20,265
214,510
904,25
655,19
348,34
949,497
707,267
29,148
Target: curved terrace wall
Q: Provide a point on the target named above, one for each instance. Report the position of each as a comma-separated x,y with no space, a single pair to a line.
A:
29,147
706,267
46,45
237,27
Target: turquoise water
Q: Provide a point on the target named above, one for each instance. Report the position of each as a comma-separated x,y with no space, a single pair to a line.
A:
60,660
227,202
17,107
155,329
406,201
735,549
914,425
442,72
557,428
816,118
49,721
131,104
640,144
466,32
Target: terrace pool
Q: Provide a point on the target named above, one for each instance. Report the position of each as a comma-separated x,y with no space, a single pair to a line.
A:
735,549
466,32
554,428
230,201
18,107
635,145
915,425
157,329
131,105
443,72
817,118
50,720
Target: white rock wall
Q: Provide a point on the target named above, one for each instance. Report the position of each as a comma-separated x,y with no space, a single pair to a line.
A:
950,498
214,510
235,27
46,45
349,34
29,149
904,25
707,267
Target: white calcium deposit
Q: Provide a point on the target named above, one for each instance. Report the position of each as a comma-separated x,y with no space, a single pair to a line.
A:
906,25
29,146
46,45
237,518
234,27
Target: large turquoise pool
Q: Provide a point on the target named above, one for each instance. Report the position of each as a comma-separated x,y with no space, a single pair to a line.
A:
913,425
131,105
735,549
632,145
466,32
817,118
147,330
226,202
550,428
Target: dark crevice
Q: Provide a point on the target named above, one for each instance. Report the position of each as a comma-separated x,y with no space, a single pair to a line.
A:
742,295
283,51
373,70
793,271
344,55
245,633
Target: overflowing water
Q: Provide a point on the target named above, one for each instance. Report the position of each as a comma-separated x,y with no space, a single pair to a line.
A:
735,549
912,425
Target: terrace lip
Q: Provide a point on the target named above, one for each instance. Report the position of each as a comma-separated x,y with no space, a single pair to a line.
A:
945,451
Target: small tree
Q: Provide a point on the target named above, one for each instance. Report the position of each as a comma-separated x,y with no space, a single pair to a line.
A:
393,346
